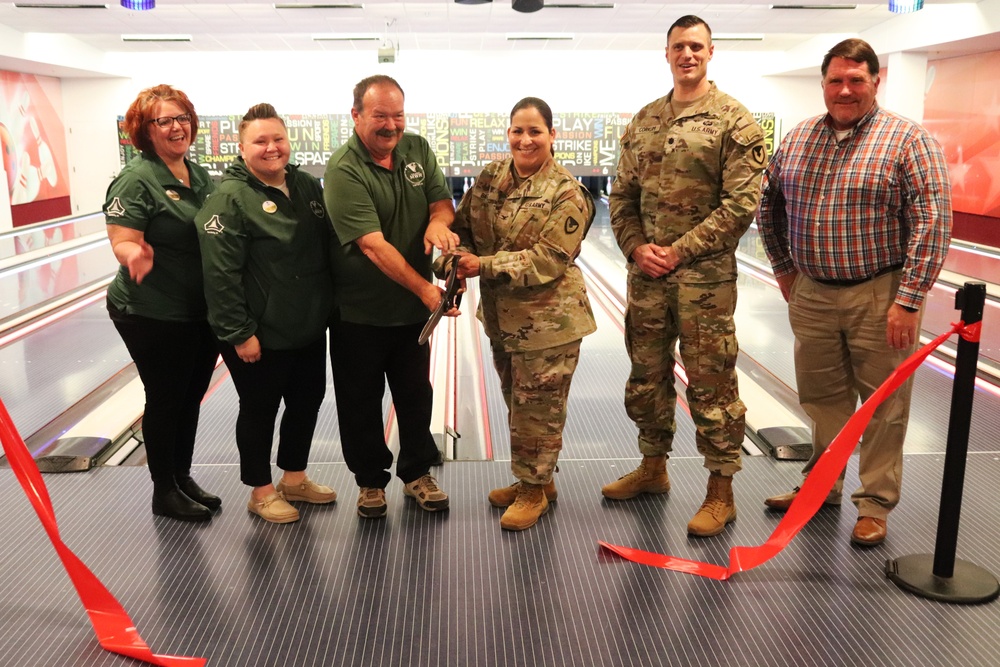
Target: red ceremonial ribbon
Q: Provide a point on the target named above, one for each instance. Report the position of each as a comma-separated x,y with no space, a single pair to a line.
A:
815,487
114,629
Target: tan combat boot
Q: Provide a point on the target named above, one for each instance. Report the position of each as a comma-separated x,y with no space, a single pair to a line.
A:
649,477
718,509
505,496
530,504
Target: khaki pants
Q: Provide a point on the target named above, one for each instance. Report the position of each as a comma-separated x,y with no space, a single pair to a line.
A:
535,387
841,355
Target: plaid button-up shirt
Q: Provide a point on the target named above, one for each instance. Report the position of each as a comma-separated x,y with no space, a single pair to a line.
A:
847,210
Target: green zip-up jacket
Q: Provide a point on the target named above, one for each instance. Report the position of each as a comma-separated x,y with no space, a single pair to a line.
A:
266,259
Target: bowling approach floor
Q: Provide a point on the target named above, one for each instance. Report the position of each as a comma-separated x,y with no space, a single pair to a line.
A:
451,588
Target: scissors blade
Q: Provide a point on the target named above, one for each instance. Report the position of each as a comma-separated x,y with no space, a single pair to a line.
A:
428,329
448,302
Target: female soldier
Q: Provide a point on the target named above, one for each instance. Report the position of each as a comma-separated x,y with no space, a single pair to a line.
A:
523,222
265,250
156,301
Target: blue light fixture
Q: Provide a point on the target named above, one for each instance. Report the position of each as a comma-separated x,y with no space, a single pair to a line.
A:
138,5
905,6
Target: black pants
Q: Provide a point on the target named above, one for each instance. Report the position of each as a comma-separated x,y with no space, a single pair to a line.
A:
175,361
364,357
299,377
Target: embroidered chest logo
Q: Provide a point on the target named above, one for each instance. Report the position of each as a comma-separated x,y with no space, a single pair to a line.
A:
213,226
414,172
115,210
316,208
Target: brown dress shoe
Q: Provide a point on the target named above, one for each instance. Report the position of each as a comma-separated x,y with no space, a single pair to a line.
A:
868,531
784,501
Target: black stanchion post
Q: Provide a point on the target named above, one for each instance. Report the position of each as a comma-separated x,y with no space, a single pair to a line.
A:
950,579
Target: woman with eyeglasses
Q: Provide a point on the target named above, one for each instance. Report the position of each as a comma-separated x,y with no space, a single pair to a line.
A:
156,300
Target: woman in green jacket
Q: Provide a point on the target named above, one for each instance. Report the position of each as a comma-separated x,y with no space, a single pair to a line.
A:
265,239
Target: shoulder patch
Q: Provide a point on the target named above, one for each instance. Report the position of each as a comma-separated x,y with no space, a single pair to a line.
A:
571,226
214,226
115,209
758,155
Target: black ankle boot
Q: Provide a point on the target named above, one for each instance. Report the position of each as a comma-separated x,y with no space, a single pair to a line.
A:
175,504
198,494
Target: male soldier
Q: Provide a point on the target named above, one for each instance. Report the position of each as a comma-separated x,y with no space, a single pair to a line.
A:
390,206
856,220
686,190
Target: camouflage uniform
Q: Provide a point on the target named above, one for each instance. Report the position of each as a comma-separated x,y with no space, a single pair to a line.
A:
690,182
533,304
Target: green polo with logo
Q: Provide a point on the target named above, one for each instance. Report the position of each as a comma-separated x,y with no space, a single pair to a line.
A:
363,197
266,259
147,197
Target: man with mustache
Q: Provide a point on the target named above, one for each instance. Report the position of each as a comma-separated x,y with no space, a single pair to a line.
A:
856,219
391,206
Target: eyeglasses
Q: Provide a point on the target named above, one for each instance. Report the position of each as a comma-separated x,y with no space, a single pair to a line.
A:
167,121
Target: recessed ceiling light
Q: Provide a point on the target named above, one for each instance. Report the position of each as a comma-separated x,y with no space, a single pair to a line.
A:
514,36
156,38
346,37
38,5
824,7
338,5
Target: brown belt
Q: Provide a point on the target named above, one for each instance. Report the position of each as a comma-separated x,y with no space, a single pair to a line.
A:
851,283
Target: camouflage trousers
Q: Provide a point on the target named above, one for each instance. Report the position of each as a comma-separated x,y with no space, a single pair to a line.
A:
660,314
535,386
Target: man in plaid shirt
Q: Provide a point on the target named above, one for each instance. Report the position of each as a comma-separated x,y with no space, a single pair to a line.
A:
856,218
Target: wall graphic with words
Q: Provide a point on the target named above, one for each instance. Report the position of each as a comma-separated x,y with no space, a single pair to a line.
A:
463,143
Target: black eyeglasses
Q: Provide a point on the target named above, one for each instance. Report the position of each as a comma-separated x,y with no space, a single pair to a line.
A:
167,121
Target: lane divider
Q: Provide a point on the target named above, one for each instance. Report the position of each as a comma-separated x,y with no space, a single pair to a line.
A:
814,488
114,629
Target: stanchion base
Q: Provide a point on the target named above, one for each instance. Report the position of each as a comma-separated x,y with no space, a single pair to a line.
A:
969,584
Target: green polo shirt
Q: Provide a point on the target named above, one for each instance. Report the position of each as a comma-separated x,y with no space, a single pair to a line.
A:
145,196
363,197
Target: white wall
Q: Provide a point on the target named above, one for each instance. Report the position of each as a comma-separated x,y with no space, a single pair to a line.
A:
438,81
580,81
91,107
